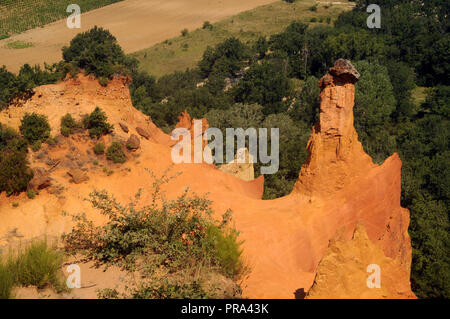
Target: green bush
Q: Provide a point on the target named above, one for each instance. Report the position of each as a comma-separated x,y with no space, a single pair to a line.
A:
225,59
103,81
68,125
12,86
37,265
8,87
207,25
34,127
171,290
227,249
14,173
178,236
31,194
97,124
36,146
96,51
115,153
184,32
99,148
6,281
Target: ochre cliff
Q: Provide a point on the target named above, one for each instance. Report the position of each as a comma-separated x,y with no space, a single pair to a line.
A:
344,271
289,243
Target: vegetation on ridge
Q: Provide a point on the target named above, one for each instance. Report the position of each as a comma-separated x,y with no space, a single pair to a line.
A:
175,245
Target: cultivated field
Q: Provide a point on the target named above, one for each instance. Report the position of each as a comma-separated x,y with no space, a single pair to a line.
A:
137,24
19,15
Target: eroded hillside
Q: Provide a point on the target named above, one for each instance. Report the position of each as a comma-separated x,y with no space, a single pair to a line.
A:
289,243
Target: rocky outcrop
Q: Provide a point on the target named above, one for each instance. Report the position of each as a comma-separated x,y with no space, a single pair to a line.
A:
133,143
142,132
41,179
241,166
335,154
124,127
358,268
184,121
338,167
77,176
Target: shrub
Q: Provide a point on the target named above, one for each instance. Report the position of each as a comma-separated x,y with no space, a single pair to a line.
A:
207,25
313,8
6,281
171,290
227,248
225,59
115,153
14,173
313,19
12,86
36,146
34,127
97,124
8,87
99,148
178,236
38,265
31,194
184,32
97,52
68,125
103,81
51,141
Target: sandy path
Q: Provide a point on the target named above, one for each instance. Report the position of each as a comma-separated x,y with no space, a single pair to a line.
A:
137,24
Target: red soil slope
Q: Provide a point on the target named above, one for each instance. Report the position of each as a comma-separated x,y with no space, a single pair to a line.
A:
285,239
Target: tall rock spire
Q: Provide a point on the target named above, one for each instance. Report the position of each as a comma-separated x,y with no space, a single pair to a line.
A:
335,154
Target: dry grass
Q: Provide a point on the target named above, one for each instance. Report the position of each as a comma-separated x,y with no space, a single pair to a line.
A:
185,51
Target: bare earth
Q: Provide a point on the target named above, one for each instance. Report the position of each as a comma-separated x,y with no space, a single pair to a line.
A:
137,24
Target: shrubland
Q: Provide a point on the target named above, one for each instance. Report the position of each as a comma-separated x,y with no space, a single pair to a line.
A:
176,246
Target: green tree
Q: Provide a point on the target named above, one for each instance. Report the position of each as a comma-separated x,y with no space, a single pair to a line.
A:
96,51
266,85
226,58
35,127
374,105
15,173
307,106
97,123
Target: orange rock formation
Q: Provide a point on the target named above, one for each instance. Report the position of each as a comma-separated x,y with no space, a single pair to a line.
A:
290,242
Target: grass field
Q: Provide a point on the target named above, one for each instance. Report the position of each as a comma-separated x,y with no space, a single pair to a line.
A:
18,45
185,51
419,95
19,15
